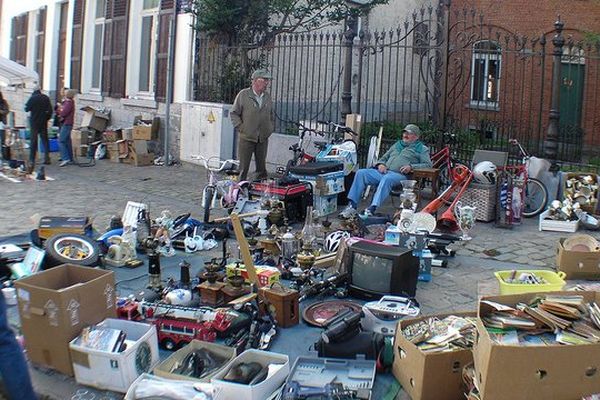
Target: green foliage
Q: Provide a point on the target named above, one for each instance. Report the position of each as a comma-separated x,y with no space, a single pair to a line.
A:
591,38
245,21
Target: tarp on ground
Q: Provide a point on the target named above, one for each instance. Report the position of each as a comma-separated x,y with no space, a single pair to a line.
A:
12,73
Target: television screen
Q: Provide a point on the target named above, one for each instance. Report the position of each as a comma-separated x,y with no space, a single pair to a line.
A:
372,272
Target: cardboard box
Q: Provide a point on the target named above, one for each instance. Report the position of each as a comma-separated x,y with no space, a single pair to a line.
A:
429,376
56,304
556,372
95,119
49,226
117,371
112,136
112,151
267,275
142,160
354,122
142,132
127,133
260,391
140,146
163,369
578,264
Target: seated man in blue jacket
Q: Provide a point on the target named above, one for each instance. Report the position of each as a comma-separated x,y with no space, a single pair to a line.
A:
389,171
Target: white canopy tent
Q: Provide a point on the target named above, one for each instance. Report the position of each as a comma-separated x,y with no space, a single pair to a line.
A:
12,73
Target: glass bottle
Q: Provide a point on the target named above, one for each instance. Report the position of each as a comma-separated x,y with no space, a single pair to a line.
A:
308,231
408,197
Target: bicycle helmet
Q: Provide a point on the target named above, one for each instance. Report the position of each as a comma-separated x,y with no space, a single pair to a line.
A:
485,172
333,240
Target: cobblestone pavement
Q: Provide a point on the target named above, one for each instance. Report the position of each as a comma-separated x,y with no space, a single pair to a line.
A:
103,190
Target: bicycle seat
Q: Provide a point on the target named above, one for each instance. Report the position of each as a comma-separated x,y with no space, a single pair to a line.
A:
232,172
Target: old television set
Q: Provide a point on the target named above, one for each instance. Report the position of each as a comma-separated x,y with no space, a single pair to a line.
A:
376,269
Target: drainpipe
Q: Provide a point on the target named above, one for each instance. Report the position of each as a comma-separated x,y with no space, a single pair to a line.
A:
170,72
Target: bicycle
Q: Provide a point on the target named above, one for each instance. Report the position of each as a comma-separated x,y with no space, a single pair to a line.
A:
535,194
227,191
335,137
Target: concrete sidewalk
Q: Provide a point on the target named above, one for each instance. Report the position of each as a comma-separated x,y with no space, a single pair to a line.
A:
103,190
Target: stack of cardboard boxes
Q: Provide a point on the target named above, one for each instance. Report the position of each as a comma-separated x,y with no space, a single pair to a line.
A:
129,145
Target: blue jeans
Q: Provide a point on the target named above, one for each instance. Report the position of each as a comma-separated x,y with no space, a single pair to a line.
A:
66,147
13,367
372,177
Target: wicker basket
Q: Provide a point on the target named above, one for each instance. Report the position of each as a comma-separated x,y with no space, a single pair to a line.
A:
483,197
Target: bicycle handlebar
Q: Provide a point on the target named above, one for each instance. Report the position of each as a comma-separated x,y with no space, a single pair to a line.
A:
223,165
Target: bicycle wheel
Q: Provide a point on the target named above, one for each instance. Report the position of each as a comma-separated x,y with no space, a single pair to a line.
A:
207,196
536,198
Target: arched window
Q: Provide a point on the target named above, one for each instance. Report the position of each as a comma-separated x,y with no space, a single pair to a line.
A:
485,74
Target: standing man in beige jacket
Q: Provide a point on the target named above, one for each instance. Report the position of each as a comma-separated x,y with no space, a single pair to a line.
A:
254,118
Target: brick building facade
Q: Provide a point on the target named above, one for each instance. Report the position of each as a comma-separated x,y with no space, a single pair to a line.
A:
501,65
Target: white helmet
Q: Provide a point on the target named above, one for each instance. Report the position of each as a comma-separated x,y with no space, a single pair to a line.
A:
485,172
333,240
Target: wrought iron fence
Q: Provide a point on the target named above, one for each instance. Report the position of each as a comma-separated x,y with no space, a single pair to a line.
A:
445,70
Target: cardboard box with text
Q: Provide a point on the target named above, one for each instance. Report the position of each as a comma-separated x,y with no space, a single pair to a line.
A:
517,372
429,376
56,304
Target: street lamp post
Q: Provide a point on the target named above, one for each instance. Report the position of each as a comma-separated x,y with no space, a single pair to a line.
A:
349,35
551,142
355,6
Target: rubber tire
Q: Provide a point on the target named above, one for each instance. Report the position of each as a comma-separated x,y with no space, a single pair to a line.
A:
209,193
168,344
53,258
542,206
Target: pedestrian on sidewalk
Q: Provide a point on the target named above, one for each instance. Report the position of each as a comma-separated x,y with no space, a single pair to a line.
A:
254,118
390,170
40,111
67,116
4,110
13,366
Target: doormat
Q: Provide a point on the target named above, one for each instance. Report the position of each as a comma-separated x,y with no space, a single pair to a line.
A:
18,178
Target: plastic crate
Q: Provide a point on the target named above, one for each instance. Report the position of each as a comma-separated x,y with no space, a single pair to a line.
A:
555,282
324,184
557,226
483,198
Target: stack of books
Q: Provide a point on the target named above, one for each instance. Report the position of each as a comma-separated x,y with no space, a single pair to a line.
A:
448,334
549,319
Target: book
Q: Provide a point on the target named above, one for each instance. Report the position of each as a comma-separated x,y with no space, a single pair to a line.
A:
102,339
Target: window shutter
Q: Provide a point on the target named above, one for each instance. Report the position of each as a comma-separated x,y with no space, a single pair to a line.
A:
18,51
118,58
114,54
164,15
77,44
40,43
107,48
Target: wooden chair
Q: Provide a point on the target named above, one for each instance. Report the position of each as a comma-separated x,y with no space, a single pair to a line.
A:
423,176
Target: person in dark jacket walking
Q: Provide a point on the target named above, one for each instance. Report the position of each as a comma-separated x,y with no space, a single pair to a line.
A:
40,111
66,112
4,110
253,116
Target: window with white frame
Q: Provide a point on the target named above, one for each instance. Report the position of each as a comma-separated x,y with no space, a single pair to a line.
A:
147,47
99,16
485,74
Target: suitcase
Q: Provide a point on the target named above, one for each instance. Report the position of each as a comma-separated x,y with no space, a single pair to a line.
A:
317,168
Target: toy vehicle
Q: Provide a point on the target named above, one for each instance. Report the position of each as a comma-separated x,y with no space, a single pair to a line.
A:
174,333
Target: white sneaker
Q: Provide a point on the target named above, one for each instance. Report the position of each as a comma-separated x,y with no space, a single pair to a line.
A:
366,213
347,212
64,163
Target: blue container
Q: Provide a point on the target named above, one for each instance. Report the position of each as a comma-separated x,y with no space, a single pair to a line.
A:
52,143
24,134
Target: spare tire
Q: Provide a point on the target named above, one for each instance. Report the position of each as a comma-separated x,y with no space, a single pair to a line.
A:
71,248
